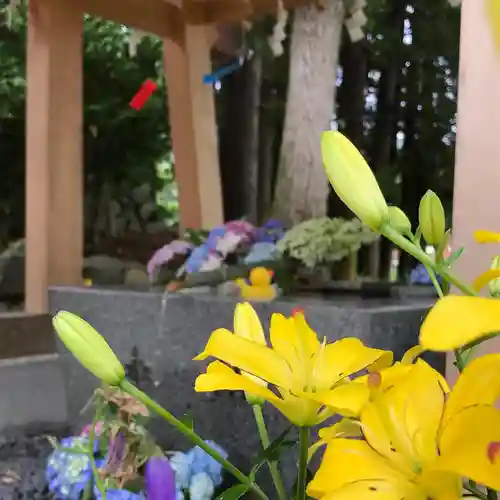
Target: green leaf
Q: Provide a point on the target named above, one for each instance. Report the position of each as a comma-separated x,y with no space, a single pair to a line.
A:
234,492
448,262
272,452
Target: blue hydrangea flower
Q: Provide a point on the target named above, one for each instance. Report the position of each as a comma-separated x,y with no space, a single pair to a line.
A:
420,276
261,252
201,487
69,473
113,494
203,462
181,463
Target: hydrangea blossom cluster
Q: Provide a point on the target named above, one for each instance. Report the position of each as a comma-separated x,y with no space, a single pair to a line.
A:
195,474
222,241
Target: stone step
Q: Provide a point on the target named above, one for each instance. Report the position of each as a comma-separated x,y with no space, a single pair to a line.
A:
32,391
24,334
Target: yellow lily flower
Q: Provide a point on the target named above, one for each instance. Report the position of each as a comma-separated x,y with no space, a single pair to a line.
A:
385,380
416,446
389,376
455,321
302,369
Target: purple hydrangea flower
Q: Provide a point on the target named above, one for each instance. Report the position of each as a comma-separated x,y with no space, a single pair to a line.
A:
166,253
160,479
271,232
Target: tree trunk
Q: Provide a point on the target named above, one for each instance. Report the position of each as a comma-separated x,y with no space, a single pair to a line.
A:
250,145
302,186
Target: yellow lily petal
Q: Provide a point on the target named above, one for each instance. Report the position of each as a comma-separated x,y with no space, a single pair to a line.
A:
220,377
484,236
343,428
376,490
247,324
346,357
478,384
404,422
493,13
442,485
307,338
411,354
483,279
346,399
470,444
283,336
351,469
456,321
248,356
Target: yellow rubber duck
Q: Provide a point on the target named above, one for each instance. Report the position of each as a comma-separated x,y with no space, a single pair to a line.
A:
260,287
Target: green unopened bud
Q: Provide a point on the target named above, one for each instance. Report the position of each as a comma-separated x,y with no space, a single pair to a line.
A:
494,285
89,347
432,219
398,220
352,179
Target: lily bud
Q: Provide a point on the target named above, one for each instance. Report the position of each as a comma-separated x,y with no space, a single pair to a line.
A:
352,179
432,219
398,220
494,285
88,347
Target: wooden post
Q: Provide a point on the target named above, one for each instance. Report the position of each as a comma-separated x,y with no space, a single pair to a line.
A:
477,169
192,118
54,188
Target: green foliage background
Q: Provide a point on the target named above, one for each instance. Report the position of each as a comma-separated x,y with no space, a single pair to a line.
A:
121,146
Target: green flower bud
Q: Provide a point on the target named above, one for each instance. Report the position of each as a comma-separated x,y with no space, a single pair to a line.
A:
494,285
398,220
432,219
88,347
352,179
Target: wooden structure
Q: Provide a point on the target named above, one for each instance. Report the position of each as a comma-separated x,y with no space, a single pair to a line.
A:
477,169
54,225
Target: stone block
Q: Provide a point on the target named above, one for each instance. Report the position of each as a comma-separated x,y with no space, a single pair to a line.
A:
23,334
32,392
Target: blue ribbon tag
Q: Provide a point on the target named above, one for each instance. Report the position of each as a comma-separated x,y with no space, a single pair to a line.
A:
214,77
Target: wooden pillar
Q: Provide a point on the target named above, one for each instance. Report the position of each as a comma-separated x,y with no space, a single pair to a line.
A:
54,188
477,168
193,128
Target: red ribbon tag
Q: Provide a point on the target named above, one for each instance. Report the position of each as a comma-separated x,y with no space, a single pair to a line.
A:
144,93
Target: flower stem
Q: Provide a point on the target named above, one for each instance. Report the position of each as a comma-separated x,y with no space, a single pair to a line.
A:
264,439
133,391
95,472
415,251
302,475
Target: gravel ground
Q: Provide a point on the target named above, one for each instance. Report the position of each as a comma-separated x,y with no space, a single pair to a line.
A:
22,464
